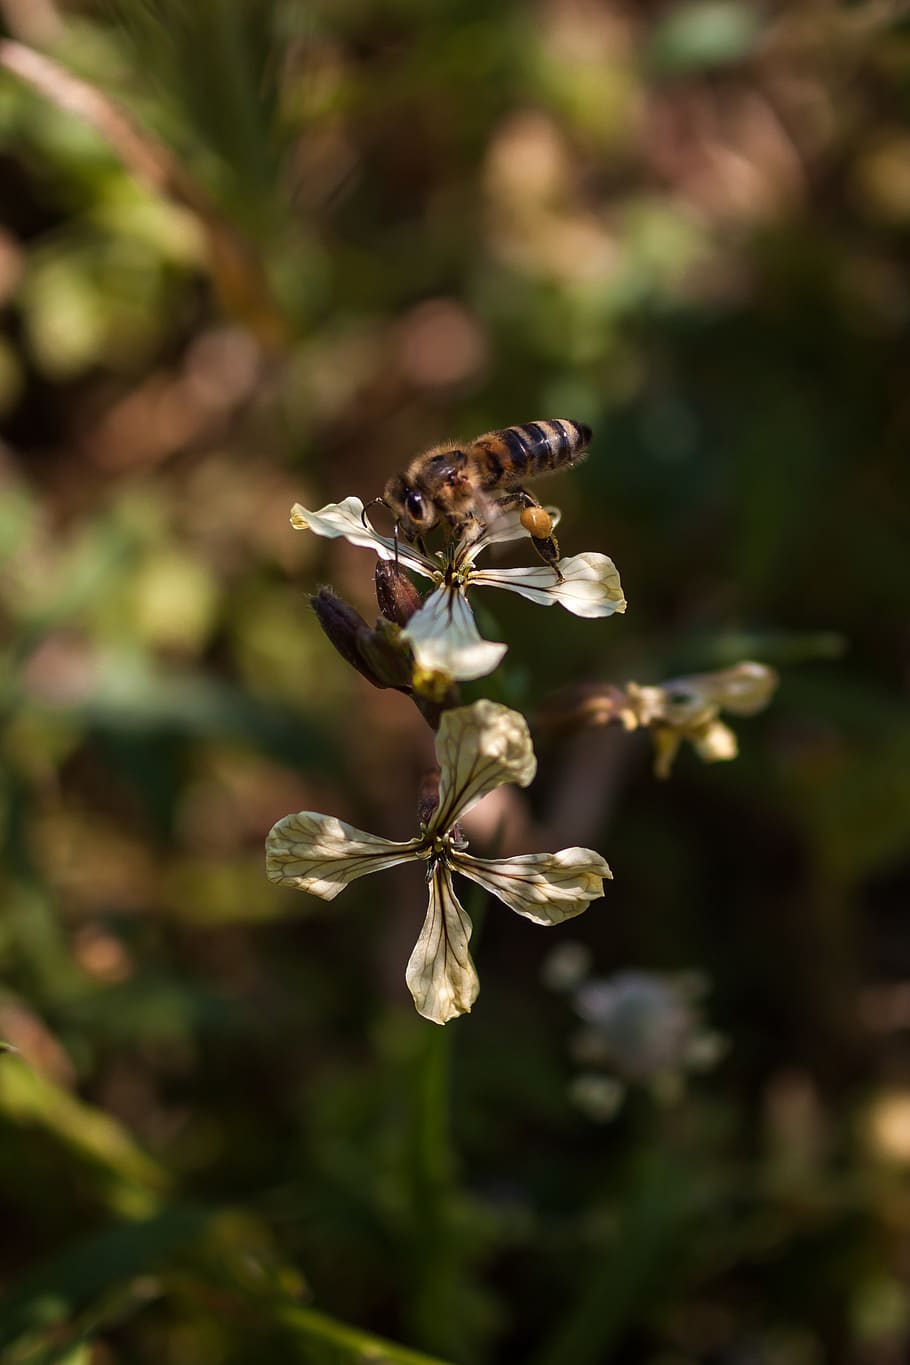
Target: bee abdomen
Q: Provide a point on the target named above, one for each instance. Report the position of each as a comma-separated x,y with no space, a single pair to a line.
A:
535,448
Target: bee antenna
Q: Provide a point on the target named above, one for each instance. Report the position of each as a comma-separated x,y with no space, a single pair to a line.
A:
364,510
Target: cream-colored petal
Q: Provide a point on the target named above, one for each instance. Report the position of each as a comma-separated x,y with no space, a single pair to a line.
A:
479,748
346,519
687,711
441,976
743,689
501,527
666,747
544,887
644,705
444,637
716,743
321,854
590,585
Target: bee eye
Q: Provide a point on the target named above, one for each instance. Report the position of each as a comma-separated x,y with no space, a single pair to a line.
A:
414,505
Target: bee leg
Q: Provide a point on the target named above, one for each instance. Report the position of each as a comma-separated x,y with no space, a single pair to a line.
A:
471,527
517,498
548,549
462,527
537,521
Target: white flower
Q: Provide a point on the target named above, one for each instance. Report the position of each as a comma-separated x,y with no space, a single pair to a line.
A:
478,748
443,633
689,709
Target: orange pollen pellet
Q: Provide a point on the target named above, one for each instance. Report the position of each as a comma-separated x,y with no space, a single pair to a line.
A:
537,522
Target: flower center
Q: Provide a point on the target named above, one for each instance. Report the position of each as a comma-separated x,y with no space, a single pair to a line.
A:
457,574
438,845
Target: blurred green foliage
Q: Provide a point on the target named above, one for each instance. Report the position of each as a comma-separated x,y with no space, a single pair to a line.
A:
224,1132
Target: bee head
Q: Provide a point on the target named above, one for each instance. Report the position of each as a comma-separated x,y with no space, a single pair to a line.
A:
416,512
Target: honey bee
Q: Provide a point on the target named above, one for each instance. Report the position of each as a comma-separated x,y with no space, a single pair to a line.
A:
455,485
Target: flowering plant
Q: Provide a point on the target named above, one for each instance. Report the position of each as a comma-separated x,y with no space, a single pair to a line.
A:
425,648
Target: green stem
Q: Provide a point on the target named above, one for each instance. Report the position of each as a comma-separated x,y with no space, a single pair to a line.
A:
433,1308
435,1158
327,1342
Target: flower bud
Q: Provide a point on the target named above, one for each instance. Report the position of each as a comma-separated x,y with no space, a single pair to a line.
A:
387,656
378,655
397,597
342,624
428,796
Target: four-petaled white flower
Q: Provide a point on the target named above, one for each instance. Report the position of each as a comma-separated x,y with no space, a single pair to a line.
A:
478,748
443,633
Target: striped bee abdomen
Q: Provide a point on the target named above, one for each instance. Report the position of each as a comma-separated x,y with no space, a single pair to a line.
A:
526,452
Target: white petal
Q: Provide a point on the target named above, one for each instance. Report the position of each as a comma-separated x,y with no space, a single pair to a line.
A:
716,743
346,519
749,688
502,526
321,854
445,638
479,748
590,585
743,689
441,976
544,887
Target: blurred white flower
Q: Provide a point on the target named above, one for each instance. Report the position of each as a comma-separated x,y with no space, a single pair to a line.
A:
443,633
478,748
645,1027
689,709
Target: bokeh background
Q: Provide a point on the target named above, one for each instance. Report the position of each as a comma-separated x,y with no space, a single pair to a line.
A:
337,233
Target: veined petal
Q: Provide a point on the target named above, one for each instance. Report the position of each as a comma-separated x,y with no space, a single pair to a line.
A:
444,637
590,585
321,854
501,527
479,748
440,975
346,519
544,887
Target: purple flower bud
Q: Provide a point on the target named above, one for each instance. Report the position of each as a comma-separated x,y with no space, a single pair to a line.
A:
378,655
397,597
